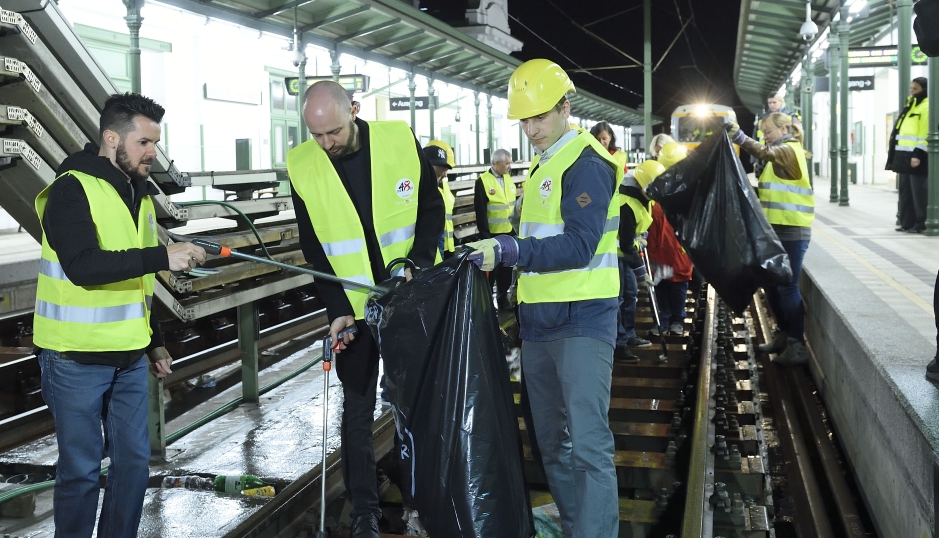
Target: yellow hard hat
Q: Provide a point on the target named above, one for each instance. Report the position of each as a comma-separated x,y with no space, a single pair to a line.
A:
535,87
450,163
671,153
647,171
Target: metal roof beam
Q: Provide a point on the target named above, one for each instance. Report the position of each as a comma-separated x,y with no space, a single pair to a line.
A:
368,30
330,19
281,8
395,40
442,56
422,48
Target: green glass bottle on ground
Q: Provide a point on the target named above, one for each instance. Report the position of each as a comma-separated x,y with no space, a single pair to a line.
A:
237,483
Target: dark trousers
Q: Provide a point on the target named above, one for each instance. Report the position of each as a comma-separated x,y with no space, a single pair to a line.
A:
357,367
914,193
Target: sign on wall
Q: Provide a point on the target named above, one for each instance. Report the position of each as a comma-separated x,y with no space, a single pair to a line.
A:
352,83
404,103
855,84
882,56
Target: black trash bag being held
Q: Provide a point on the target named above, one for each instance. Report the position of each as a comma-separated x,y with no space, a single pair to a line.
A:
718,220
458,448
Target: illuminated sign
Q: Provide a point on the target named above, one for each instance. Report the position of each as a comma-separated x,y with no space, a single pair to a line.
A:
882,56
352,83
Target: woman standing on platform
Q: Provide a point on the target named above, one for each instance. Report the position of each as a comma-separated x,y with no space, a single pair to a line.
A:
603,132
907,157
789,204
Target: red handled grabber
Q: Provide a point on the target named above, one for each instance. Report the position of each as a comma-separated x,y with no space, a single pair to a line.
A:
328,350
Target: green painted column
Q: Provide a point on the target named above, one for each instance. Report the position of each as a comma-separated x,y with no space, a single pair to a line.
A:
134,22
844,37
249,331
479,154
412,87
904,42
335,67
490,138
932,141
808,92
833,56
430,105
647,73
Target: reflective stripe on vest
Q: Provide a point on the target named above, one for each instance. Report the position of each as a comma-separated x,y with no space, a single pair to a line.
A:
541,218
448,199
105,317
396,174
913,127
501,200
788,202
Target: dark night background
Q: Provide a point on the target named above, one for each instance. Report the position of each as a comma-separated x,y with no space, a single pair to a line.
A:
698,69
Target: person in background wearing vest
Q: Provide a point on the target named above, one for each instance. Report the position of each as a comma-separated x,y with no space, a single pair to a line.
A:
93,327
774,103
908,158
603,132
658,142
789,204
568,289
440,155
364,194
493,199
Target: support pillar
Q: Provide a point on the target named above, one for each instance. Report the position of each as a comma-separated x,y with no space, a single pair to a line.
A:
431,105
521,143
932,144
834,53
647,74
412,87
301,82
134,22
844,36
335,67
156,424
479,158
249,331
490,139
904,42
808,78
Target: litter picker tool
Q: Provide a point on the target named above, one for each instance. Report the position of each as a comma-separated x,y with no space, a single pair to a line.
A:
655,304
328,350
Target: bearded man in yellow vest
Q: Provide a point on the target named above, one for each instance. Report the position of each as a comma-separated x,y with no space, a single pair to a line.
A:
568,290
93,325
364,194
493,200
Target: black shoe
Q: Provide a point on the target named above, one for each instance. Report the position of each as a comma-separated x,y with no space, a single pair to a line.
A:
902,229
635,341
622,355
932,370
365,526
916,230
776,345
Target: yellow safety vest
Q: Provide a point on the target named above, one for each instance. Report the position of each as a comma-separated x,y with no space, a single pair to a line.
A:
396,174
621,157
541,218
788,202
501,201
448,198
105,317
640,212
914,126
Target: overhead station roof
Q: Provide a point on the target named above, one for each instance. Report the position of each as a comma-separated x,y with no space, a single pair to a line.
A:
396,34
769,46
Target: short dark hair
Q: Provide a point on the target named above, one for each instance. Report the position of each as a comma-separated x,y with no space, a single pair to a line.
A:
923,83
121,108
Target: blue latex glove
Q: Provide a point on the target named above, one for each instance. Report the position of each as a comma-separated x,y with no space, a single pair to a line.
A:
491,252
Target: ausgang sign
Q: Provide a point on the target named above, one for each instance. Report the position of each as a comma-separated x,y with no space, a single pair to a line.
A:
882,56
404,103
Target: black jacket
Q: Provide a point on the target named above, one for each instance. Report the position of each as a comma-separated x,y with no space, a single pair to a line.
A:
71,232
899,161
428,228
627,226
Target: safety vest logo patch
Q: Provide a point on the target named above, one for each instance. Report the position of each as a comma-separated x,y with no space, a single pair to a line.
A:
404,188
545,188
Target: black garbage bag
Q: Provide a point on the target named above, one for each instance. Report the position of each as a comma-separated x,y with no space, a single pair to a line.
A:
718,219
459,449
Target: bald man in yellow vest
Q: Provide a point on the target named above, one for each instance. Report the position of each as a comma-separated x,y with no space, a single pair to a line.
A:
364,194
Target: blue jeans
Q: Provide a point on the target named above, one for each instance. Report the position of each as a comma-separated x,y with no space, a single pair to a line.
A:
786,300
568,383
628,293
82,398
671,298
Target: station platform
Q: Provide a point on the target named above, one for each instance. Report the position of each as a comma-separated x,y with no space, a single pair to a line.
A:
870,324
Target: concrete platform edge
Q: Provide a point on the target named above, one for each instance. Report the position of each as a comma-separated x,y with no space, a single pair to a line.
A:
867,359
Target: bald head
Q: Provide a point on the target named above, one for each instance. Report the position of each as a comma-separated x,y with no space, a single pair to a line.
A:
328,114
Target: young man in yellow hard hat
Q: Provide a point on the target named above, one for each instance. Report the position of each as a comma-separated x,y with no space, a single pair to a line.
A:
568,290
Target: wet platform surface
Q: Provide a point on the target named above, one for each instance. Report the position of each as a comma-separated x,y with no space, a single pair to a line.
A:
869,320
278,440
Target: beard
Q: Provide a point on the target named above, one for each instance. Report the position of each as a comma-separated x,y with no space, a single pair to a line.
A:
126,166
339,152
